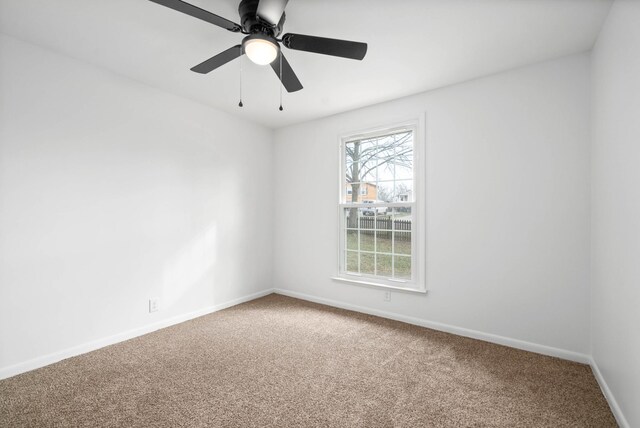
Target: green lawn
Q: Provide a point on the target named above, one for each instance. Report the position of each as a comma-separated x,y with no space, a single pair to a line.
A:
381,242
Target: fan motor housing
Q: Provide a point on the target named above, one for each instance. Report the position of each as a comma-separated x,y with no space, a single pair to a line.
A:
252,24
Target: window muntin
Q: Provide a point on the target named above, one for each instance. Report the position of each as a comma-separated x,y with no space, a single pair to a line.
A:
378,231
380,243
382,163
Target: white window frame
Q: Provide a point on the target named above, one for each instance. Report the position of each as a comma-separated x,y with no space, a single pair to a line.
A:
417,204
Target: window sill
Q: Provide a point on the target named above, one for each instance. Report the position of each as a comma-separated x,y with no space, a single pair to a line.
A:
377,284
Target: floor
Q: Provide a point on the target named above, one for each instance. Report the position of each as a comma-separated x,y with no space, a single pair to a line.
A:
283,362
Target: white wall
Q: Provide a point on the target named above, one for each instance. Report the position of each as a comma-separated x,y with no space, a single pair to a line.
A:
616,206
507,205
112,192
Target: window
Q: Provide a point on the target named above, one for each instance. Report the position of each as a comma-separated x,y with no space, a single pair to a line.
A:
380,235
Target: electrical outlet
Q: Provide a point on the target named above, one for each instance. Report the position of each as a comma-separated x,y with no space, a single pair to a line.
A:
154,304
387,296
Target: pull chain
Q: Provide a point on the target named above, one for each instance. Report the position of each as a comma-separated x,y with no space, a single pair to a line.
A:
281,82
240,103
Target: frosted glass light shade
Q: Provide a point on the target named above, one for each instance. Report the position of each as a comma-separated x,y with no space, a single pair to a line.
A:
261,51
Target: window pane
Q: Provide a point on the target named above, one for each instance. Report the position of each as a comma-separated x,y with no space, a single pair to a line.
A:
367,240
367,263
402,226
404,171
402,243
383,264
351,218
403,191
360,156
352,240
403,156
352,192
352,261
367,219
384,222
385,191
383,241
402,267
402,215
348,169
379,169
368,170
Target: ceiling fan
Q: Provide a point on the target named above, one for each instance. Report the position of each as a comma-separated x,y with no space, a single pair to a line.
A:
262,21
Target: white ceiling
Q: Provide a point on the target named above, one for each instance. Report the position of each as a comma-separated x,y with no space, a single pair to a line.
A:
414,45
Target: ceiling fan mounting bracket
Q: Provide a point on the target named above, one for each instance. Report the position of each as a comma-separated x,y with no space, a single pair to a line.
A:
253,24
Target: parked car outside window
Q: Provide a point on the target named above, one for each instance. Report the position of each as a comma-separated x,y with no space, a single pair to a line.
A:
373,210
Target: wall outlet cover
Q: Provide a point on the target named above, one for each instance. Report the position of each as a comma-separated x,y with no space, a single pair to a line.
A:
154,304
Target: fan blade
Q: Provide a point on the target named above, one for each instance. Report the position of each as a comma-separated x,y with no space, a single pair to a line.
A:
196,12
322,45
289,78
271,10
221,59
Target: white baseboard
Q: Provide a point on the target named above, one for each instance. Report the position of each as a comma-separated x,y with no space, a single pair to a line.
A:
501,340
613,404
460,331
45,360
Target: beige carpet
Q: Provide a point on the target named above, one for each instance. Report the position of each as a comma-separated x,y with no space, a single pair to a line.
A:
282,362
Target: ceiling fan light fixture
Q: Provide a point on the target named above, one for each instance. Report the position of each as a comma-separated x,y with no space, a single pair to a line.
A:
262,21
260,49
